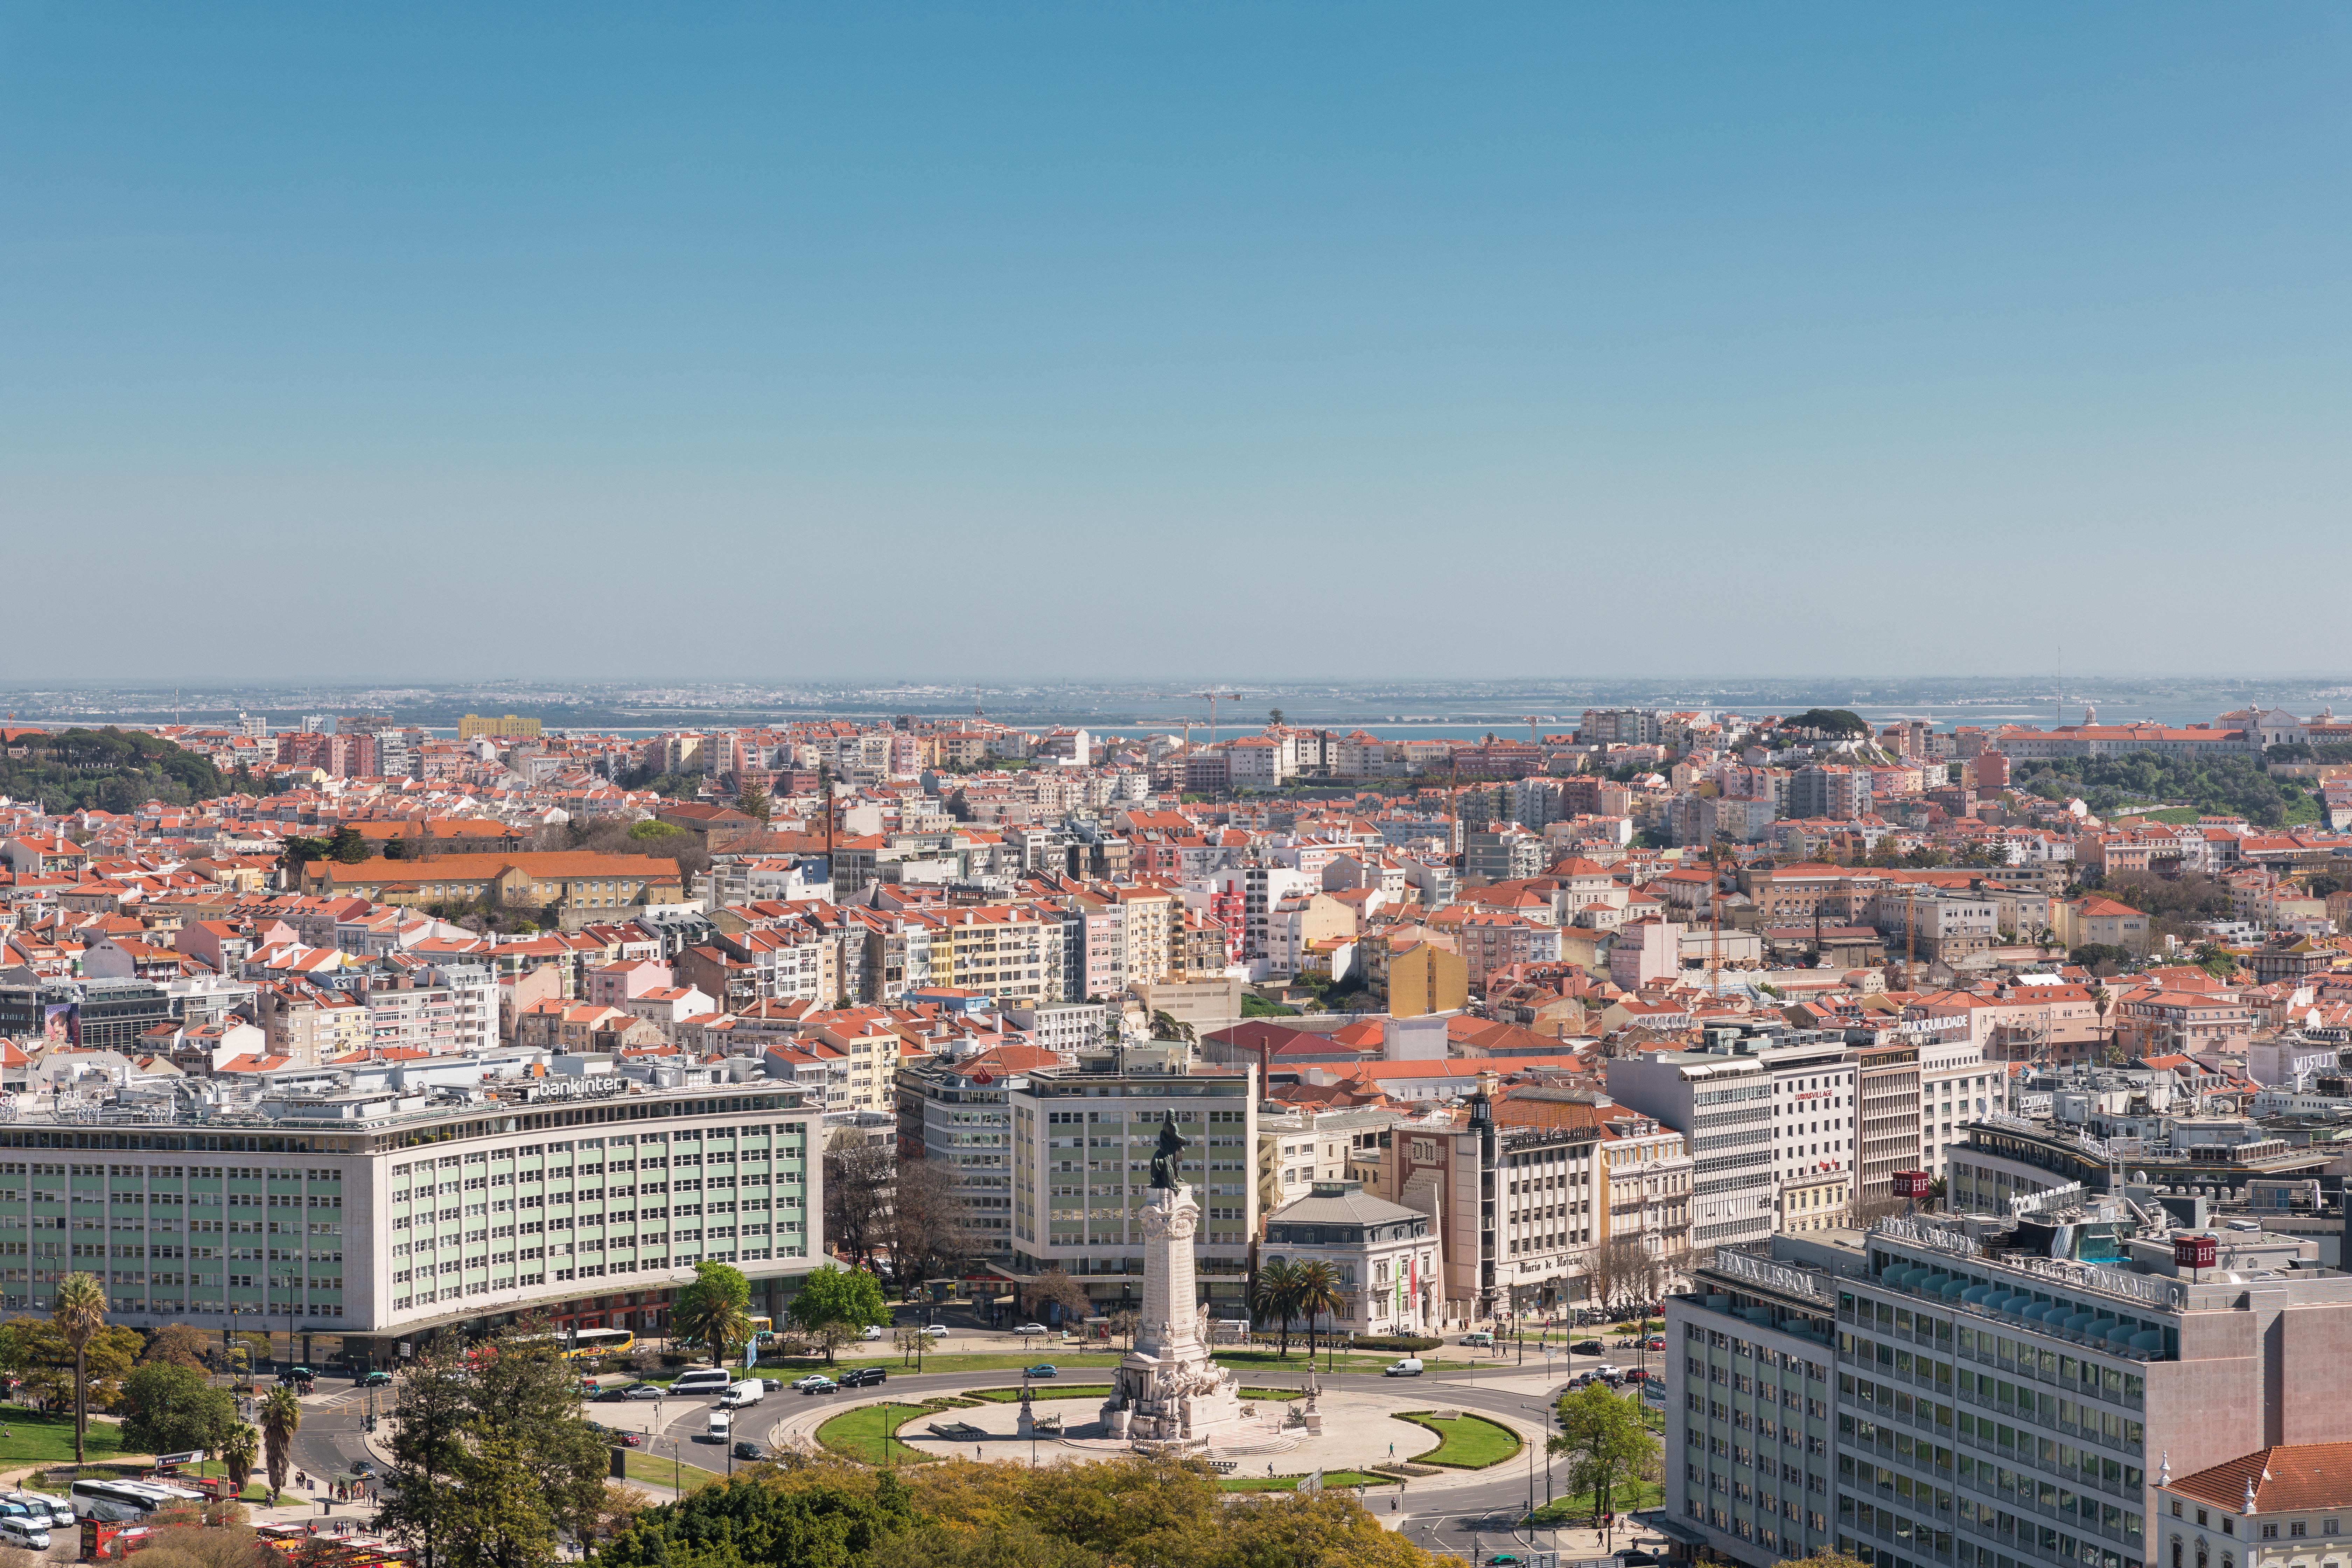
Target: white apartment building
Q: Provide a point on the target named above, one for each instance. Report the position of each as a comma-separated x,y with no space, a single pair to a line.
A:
365,1217
1083,1139
1756,1113
1384,1255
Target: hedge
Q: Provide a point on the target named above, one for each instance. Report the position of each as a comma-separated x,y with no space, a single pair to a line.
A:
1408,1343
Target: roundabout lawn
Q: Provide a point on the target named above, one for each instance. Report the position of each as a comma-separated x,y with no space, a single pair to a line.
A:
1470,1442
1291,1483
869,1433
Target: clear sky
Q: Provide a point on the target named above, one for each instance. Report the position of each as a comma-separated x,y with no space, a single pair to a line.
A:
418,342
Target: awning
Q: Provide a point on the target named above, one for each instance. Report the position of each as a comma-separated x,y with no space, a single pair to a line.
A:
1006,1300
1675,1530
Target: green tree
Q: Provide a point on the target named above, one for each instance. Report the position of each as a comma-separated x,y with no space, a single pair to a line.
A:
828,1519
281,1417
1319,1293
81,1316
431,1412
1605,1442
753,801
237,1451
838,1298
1275,1295
167,1408
534,1468
347,847
714,1310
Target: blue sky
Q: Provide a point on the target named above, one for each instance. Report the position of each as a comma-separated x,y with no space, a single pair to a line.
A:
433,342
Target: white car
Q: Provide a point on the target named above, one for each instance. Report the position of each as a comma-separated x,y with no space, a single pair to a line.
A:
1032,1329
937,1330
872,1333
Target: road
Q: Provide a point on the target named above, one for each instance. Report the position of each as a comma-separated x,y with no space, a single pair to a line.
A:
1461,1513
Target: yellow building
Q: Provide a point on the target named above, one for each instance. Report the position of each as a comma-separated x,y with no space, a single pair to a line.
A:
473,724
1425,978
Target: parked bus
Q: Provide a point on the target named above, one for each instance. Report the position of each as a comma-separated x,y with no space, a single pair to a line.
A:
589,1343
125,1500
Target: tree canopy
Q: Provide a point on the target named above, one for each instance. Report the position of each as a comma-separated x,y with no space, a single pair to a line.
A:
110,769
1120,1513
1830,722
2223,785
714,1309
168,1408
833,1303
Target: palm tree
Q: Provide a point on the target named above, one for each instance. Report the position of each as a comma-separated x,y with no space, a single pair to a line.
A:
1276,1295
237,1451
281,1417
80,1315
2101,1000
712,1318
1318,1291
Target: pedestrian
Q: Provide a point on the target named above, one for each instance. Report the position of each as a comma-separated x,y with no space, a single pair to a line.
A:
1391,1450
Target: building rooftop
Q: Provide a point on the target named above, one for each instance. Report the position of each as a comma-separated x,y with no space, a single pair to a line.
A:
2284,1479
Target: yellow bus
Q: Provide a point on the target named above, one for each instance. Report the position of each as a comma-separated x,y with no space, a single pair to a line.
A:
589,1343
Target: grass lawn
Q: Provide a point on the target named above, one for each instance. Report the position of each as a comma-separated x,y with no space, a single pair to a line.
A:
1471,1442
1291,1483
1049,1389
33,1439
659,1470
869,1434
1624,1498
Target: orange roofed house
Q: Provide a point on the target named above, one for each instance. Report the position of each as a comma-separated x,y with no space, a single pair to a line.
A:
577,886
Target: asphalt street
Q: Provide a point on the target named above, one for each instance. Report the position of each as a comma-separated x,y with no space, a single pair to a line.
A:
1460,1515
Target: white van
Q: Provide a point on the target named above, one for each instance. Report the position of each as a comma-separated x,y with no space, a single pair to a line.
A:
1409,1367
750,1391
41,1506
718,1427
1480,1341
29,1534
702,1380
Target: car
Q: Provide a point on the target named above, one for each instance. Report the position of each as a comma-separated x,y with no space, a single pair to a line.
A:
1608,1371
1633,1557
377,1379
1587,1347
873,1332
1027,1329
747,1449
1656,1342
1635,1375
361,1467
643,1391
864,1376
621,1438
937,1330
1043,1369
815,1383
1504,1560
613,1395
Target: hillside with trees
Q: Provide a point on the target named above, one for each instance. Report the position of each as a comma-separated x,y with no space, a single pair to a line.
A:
2214,785
108,770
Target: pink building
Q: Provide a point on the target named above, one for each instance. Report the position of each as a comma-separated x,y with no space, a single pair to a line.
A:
610,984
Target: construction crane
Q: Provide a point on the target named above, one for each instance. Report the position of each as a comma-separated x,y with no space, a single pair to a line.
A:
1535,736
976,711
1212,695
1910,943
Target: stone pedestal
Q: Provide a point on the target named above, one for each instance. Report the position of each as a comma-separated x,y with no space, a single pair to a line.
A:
1169,1390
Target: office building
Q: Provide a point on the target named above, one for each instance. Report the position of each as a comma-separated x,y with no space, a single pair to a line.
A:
359,1209
2006,1393
1083,1138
